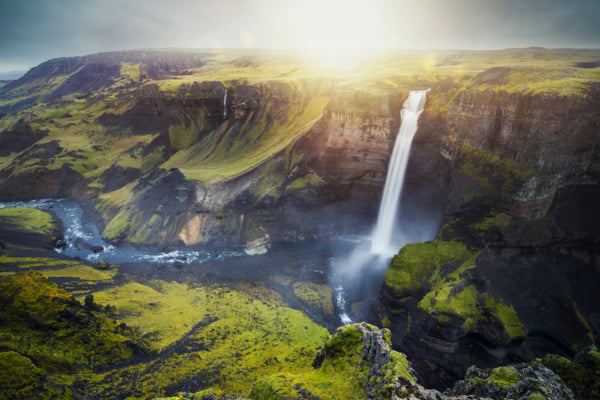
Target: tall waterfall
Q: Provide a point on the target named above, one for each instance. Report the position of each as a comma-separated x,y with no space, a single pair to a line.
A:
381,242
225,105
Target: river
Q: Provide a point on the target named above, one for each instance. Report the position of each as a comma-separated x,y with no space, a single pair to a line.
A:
311,261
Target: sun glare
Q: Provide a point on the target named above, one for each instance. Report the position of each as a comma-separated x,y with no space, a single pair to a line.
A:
337,34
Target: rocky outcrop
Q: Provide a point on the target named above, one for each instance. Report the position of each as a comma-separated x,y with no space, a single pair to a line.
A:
520,381
40,182
154,111
356,361
375,351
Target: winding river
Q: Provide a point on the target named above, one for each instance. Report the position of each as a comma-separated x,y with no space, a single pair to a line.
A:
312,260
84,240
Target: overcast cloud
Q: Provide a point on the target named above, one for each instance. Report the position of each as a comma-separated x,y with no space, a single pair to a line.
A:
32,31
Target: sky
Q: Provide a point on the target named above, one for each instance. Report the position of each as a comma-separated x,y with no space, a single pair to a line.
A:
32,31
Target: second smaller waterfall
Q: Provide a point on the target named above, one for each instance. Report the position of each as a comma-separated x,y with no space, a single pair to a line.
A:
225,105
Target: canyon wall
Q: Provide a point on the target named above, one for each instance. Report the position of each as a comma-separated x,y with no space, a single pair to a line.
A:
512,273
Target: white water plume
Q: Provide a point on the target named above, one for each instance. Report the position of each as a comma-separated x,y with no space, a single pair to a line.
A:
382,241
362,269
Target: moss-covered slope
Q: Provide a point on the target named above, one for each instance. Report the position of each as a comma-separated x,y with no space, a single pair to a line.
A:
162,338
45,334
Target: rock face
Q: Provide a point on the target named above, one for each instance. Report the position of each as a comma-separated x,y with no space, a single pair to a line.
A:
516,227
521,381
351,145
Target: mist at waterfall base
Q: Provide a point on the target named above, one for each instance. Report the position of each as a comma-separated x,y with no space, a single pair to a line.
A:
403,218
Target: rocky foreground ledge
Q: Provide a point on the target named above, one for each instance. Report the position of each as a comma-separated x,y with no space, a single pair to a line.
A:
386,374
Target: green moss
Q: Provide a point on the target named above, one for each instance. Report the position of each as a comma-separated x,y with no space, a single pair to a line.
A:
63,109
58,332
234,148
309,181
34,262
508,316
227,339
229,334
270,184
19,377
345,341
496,221
536,396
474,308
581,376
451,297
154,158
492,173
124,223
565,81
428,266
82,272
275,387
109,204
503,377
317,295
416,262
163,311
341,372
385,321
584,323
187,132
28,220
130,71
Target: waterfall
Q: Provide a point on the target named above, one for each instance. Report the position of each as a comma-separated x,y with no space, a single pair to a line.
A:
225,105
381,242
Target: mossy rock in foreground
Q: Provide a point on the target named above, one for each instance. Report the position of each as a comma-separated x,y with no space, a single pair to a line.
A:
521,381
356,362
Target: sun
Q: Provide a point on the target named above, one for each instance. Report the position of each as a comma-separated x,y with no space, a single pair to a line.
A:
337,34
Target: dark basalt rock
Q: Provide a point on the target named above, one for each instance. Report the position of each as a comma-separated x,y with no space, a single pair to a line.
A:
522,382
116,177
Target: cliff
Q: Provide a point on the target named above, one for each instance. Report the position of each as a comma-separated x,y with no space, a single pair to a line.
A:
517,225
193,148
170,158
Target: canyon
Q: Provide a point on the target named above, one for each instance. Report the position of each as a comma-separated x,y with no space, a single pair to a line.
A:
190,149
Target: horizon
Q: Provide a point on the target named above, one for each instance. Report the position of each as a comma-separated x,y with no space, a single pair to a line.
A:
67,28
377,52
